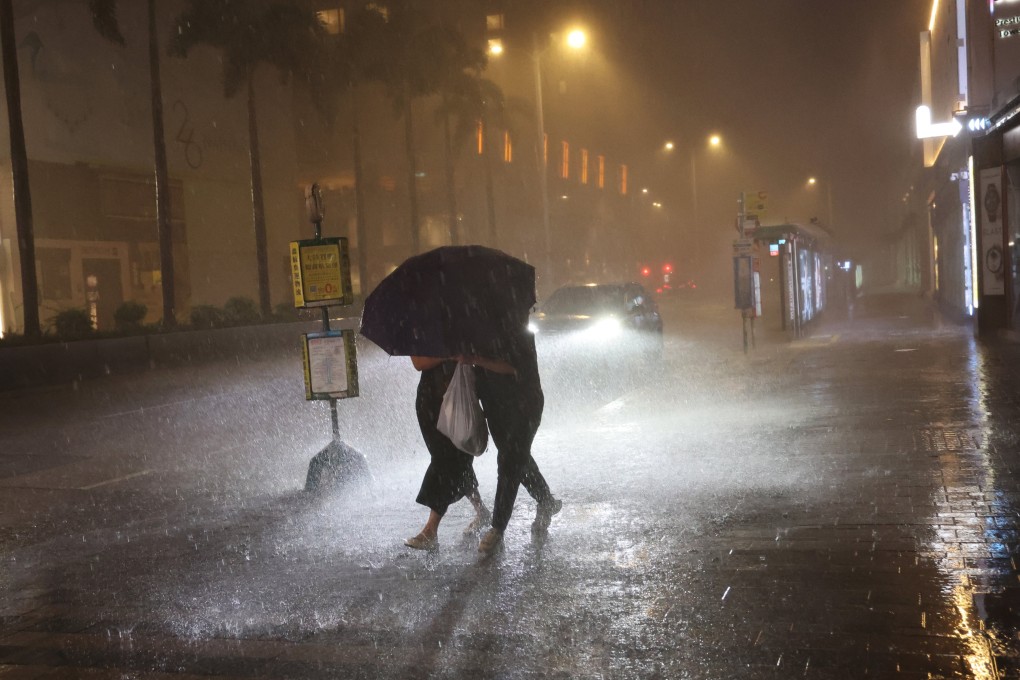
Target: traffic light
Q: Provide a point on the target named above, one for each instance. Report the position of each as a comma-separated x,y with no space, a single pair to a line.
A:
646,271
667,269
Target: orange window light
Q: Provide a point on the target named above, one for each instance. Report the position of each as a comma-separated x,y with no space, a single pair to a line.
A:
565,169
584,166
623,180
480,134
602,172
508,148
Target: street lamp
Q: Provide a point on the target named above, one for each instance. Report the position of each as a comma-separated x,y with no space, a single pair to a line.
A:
576,39
812,182
714,142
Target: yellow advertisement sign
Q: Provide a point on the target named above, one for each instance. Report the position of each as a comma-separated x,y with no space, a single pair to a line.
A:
321,273
756,202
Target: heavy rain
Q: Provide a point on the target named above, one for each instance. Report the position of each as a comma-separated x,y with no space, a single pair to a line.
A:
509,339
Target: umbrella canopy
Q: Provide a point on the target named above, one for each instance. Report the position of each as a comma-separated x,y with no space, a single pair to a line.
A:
451,300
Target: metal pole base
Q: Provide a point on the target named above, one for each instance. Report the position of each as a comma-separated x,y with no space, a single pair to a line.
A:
336,467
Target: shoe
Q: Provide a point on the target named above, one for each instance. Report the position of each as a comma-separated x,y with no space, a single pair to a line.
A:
544,515
480,521
490,541
422,542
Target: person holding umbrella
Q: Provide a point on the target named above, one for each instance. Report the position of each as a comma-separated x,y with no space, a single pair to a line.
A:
471,304
511,394
450,475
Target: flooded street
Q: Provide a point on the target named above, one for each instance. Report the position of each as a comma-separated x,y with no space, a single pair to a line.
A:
841,506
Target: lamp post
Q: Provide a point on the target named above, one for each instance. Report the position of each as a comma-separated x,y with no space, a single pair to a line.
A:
576,39
812,182
714,141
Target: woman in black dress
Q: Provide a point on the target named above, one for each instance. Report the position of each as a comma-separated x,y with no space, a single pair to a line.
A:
450,475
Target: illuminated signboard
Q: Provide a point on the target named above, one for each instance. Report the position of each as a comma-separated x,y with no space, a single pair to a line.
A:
321,272
1006,29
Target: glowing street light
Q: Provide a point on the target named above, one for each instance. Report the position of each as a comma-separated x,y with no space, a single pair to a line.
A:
668,146
715,140
812,182
576,39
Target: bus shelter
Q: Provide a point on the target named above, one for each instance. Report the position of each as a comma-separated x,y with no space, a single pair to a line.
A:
797,270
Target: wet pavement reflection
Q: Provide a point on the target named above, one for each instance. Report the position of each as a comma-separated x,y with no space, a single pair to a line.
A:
840,506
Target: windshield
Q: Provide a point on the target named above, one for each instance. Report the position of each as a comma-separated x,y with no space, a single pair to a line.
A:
585,300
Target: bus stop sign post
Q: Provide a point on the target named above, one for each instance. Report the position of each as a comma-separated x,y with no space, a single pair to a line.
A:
321,273
745,275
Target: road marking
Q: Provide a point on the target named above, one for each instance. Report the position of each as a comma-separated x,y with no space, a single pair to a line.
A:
114,480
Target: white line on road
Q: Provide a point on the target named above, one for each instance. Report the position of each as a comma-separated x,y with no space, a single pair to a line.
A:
114,480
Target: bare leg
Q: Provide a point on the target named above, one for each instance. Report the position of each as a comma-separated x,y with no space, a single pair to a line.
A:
431,529
482,514
428,538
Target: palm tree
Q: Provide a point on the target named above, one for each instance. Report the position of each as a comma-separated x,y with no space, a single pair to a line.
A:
344,65
458,84
249,33
407,44
104,18
19,170
469,101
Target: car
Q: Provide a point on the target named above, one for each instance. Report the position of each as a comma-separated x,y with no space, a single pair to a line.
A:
613,317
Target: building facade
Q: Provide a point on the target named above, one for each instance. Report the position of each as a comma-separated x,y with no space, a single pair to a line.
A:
970,97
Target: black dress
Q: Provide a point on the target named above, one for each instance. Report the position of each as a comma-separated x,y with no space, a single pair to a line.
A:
450,476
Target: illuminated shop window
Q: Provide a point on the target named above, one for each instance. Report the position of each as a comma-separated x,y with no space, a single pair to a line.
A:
332,20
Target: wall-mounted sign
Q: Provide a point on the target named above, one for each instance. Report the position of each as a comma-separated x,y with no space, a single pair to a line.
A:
1008,27
321,272
1006,32
993,261
331,365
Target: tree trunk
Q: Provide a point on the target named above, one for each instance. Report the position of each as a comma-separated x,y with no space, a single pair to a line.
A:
451,188
258,211
359,193
412,170
164,228
19,169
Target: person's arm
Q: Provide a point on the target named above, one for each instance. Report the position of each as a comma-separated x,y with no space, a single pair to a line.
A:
425,363
494,365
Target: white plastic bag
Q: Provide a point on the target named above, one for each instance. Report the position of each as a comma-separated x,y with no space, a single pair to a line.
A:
460,417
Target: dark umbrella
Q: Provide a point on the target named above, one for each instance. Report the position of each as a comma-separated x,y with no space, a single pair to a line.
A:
451,300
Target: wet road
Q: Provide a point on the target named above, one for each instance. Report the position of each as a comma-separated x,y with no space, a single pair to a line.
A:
843,506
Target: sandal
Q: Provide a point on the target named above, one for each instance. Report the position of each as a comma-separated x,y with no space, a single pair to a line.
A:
422,542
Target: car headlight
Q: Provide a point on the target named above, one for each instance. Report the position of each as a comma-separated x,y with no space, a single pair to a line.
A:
532,328
606,327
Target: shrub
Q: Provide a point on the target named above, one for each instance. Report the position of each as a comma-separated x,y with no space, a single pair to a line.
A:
241,311
73,324
129,316
285,311
206,316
